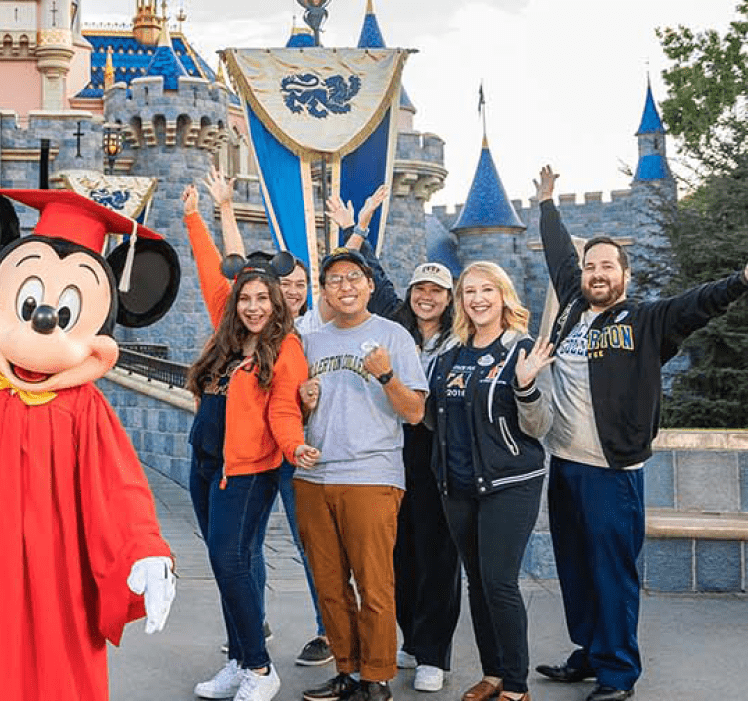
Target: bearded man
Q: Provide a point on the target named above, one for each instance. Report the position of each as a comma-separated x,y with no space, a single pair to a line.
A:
606,404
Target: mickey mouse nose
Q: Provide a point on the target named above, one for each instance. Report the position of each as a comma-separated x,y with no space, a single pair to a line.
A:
44,319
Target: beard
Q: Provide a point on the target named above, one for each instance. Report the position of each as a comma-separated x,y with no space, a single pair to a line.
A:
604,296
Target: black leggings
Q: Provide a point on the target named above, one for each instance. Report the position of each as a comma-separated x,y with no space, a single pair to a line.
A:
491,533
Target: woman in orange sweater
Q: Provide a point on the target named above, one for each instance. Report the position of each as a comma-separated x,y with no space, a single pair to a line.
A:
249,417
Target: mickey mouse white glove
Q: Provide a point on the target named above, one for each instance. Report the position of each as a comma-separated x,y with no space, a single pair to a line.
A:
153,577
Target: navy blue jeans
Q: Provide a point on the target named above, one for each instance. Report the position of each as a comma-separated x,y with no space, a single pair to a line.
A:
288,495
233,522
597,525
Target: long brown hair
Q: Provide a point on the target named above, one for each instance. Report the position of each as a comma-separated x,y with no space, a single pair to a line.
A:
227,342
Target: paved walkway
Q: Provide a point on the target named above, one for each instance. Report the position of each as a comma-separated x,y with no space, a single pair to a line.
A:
695,647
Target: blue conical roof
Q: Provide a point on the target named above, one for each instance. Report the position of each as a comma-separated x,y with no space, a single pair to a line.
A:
371,36
652,167
165,63
651,122
487,205
300,38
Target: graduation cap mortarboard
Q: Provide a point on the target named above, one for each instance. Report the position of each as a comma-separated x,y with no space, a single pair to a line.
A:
147,288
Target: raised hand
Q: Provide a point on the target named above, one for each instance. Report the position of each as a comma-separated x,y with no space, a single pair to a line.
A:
529,366
341,214
370,206
190,199
220,188
544,189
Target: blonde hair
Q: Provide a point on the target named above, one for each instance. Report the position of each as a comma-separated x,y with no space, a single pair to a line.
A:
514,316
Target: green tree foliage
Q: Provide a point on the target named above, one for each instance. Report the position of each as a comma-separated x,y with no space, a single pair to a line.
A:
708,230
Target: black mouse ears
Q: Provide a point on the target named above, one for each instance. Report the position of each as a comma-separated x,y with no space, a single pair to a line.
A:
154,277
10,229
275,266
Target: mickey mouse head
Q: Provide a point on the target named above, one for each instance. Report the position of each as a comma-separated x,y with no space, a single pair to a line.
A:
59,298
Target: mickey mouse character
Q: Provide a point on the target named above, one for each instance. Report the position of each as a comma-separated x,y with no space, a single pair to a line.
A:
80,549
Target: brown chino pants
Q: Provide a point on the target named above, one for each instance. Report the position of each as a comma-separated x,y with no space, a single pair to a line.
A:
350,530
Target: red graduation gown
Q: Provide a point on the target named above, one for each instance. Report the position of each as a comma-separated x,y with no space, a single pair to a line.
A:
75,514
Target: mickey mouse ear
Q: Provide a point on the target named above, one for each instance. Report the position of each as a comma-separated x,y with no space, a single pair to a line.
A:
154,281
283,263
9,227
232,265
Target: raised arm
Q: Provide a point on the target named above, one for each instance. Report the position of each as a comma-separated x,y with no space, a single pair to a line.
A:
410,404
560,254
222,191
384,300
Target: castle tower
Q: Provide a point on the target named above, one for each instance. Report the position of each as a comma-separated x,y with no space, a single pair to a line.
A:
146,26
488,227
653,164
419,172
174,125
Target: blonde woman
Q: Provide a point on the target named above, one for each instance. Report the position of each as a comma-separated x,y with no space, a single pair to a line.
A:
489,415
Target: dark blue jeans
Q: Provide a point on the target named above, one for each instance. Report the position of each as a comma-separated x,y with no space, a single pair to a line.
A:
491,534
597,525
233,522
288,495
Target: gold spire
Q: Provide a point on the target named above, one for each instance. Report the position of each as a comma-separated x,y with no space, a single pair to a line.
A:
369,7
108,70
219,76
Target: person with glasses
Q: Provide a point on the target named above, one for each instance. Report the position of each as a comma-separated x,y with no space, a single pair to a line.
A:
366,379
428,583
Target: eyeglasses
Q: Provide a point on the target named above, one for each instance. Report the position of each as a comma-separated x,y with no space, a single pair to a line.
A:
354,277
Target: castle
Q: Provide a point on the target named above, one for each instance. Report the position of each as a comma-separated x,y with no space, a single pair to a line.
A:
68,84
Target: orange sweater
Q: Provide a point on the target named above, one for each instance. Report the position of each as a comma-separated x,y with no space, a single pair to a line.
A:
261,425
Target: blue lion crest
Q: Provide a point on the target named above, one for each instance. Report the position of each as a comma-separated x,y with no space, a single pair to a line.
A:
320,97
113,200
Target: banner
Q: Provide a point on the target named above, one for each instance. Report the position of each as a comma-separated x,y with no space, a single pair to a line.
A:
306,107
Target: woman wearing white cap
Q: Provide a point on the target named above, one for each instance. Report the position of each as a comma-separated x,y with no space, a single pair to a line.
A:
427,569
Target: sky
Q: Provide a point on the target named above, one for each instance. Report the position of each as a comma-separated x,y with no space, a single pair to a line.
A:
564,82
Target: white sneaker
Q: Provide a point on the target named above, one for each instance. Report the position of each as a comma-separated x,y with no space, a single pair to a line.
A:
428,678
257,687
223,685
405,660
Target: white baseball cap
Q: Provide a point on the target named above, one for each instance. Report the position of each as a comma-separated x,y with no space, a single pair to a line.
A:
432,272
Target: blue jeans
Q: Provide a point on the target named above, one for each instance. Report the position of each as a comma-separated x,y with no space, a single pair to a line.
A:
597,526
288,495
233,522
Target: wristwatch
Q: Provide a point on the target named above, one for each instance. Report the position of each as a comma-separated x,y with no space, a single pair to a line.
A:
385,377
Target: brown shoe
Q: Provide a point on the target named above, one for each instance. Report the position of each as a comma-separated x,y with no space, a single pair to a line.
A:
524,697
482,691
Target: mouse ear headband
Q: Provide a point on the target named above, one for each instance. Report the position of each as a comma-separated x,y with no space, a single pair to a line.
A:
274,266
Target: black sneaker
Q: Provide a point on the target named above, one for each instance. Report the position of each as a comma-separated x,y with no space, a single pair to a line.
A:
267,632
316,652
336,689
372,691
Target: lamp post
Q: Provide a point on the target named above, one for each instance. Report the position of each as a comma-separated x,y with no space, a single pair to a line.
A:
112,143
314,15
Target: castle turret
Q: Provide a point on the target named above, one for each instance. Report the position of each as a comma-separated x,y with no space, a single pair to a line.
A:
418,173
653,163
488,225
371,38
165,62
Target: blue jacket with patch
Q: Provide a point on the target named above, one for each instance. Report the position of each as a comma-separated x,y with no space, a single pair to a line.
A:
505,423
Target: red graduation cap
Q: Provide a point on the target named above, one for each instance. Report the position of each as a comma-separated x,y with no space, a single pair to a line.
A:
67,215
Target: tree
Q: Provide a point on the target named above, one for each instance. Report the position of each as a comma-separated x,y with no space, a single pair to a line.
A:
708,230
